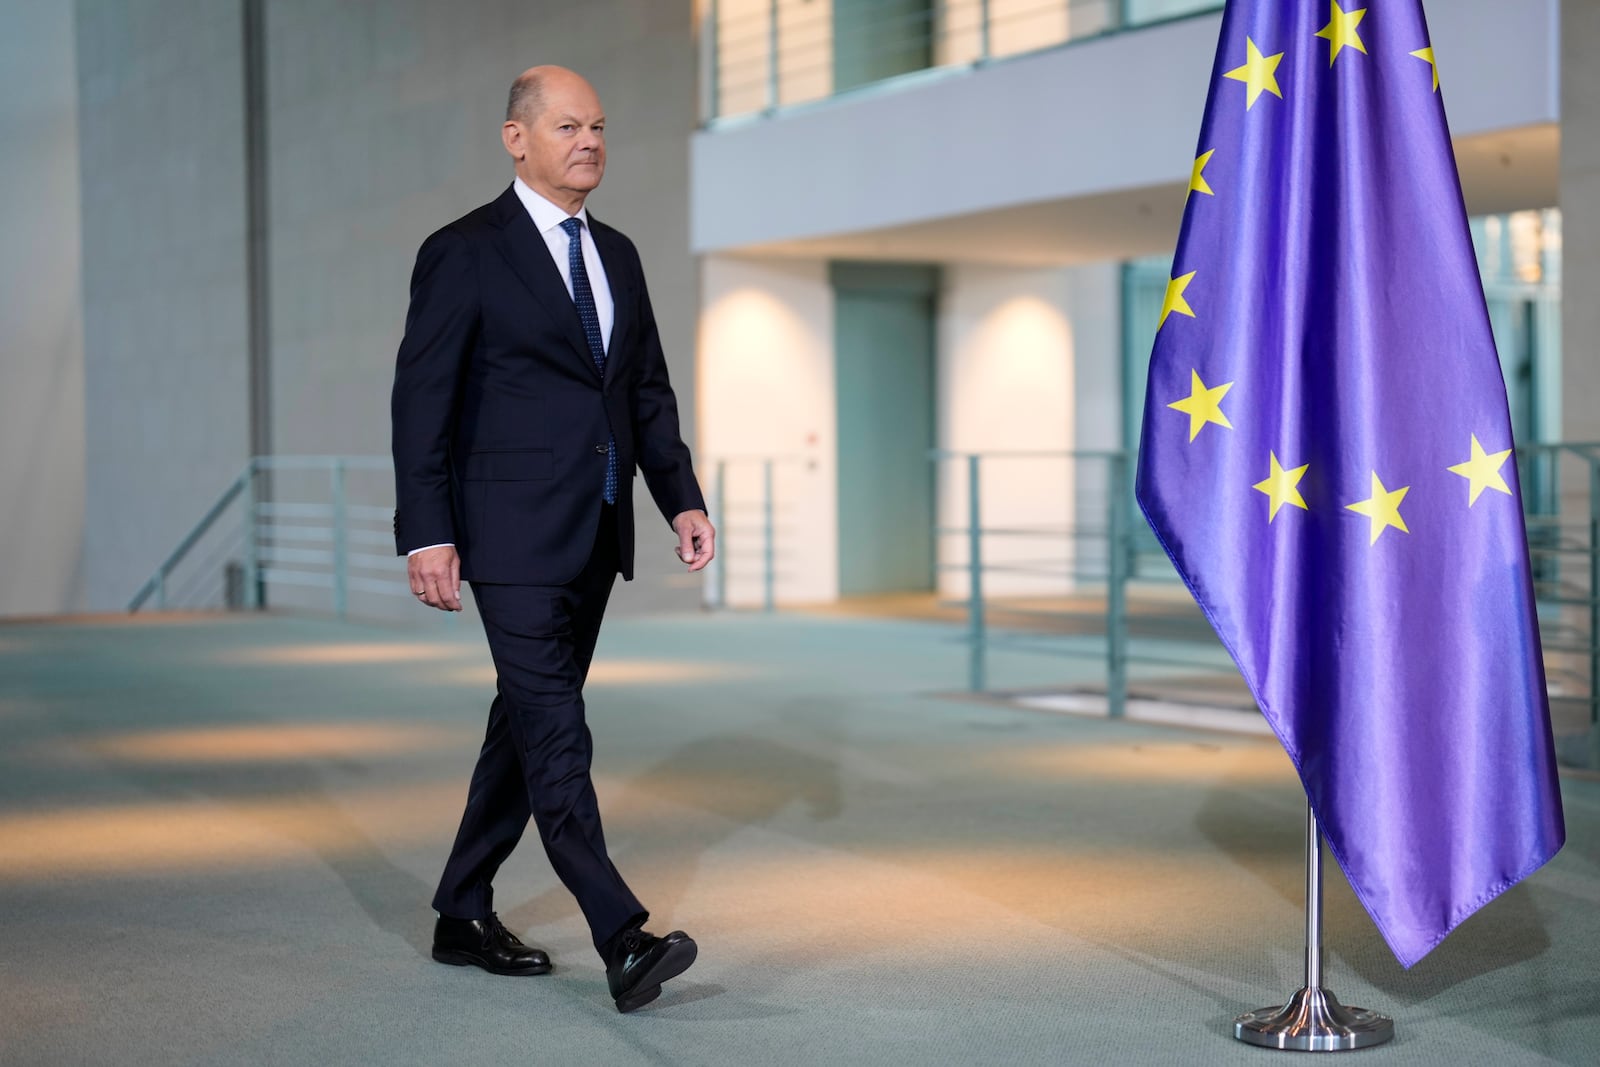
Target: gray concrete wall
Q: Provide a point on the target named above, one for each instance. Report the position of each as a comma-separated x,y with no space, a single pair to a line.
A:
162,150
384,124
41,322
1580,219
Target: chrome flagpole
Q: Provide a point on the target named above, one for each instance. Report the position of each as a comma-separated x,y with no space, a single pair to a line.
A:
1313,1020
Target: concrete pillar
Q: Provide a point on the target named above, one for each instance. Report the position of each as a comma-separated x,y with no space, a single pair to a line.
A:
41,319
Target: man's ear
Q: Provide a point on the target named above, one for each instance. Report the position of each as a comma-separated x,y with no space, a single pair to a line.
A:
511,135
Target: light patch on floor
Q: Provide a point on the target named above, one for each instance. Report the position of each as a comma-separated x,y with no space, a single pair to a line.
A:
865,902
625,672
344,654
1177,761
142,620
1195,716
146,837
286,742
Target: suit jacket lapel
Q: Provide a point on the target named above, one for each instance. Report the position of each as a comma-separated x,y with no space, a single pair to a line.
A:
619,278
523,247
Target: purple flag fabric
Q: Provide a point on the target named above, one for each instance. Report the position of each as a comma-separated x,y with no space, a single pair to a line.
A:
1326,457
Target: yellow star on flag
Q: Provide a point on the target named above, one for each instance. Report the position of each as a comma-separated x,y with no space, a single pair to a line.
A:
1258,73
1203,405
1280,487
1383,508
1341,30
1197,179
1174,300
1482,471
1426,55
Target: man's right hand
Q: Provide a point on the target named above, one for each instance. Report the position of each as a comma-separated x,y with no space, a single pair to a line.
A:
436,577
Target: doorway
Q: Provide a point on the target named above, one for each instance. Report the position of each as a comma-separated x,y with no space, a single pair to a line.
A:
884,345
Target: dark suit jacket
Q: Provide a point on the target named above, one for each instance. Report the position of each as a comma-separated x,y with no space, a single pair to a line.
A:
500,419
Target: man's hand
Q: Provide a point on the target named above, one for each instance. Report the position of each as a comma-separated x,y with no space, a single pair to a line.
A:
697,541
436,577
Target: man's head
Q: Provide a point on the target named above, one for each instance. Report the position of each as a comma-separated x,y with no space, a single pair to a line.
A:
555,131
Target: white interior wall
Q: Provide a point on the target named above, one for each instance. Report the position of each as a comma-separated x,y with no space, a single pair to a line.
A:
766,390
1011,343
41,312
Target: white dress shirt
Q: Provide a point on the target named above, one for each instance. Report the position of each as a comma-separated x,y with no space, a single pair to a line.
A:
547,218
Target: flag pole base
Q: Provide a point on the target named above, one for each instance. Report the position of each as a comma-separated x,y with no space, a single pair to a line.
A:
1313,1021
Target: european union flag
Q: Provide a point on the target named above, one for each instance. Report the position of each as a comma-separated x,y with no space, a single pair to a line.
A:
1327,459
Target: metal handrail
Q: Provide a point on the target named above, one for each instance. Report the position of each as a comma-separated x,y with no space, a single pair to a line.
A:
1565,549
278,544
981,637
767,508
320,544
157,585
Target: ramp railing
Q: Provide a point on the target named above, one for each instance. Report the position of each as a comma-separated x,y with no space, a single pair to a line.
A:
320,540
1047,554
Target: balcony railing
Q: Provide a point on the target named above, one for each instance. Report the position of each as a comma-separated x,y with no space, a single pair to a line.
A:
1077,584
321,540
763,55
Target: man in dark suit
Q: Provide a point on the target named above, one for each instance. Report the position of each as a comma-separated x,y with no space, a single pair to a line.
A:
529,386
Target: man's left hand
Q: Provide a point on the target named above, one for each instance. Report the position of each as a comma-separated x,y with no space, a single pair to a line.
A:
697,541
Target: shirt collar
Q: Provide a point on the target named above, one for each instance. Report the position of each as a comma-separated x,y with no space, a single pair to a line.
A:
546,216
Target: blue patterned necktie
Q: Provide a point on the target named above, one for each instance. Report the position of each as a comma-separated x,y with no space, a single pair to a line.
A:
583,296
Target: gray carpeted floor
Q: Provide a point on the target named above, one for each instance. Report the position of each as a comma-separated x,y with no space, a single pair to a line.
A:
218,839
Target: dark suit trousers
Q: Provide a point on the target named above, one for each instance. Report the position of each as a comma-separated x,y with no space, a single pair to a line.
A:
536,756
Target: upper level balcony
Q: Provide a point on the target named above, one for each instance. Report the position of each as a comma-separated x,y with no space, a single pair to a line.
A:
766,55
1033,131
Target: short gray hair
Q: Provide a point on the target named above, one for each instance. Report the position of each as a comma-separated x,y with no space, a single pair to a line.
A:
526,99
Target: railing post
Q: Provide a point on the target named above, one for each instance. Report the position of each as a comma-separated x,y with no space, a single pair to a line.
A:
341,562
1117,586
1594,610
772,56
720,577
977,679
769,576
254,591
985,43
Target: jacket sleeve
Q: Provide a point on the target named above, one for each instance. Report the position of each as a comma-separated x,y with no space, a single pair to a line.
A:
663,458
441,329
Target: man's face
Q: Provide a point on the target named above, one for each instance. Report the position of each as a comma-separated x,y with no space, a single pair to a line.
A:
564,146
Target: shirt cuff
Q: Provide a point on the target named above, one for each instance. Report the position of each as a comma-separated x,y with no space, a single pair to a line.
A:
424,548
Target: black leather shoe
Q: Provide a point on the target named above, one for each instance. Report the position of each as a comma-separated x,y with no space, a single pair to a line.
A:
639,962
485,943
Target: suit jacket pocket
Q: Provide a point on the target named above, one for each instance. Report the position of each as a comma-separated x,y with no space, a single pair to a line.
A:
510,465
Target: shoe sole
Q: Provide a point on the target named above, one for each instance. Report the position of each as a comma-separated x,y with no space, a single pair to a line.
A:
463,959
677,960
